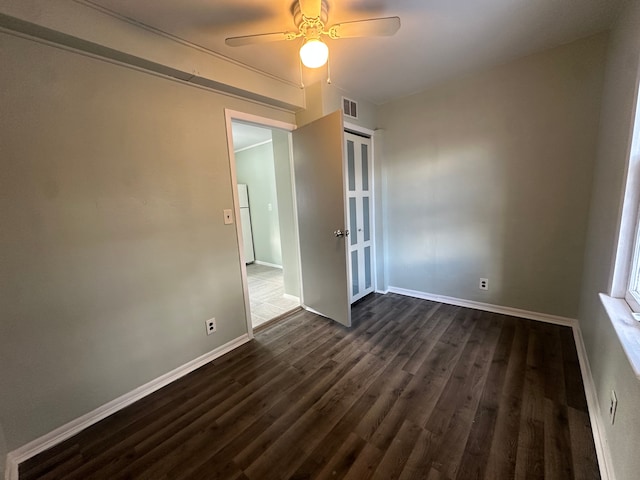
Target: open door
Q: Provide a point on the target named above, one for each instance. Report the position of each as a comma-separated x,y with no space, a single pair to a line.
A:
319,178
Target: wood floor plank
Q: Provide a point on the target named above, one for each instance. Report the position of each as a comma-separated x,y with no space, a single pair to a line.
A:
149,445
420,458
414,390
61,471
373,401
503,452
339,464
433,375
386,391
530,453
446,316
422,329
557,442
582,448
281,414
154,408
119,450
450,422
365,463
314,425
456,387
396,456
423,391
553,365
57,459
298,351
298,408
364,327
449,455
574,386
220,424
476,453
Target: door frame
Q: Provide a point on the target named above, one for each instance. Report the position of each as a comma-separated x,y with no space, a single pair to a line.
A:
229,116
357,129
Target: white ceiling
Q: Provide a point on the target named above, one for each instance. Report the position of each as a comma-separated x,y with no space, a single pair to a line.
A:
246,135
438,39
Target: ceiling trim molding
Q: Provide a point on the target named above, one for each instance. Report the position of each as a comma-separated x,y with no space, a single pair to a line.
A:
80,25
138,24
259,144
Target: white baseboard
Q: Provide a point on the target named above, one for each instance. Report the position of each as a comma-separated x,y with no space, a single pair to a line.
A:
291,297
599,433
487,307
39,445
267,264
382,292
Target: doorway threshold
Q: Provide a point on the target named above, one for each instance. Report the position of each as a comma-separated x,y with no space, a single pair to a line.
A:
274,320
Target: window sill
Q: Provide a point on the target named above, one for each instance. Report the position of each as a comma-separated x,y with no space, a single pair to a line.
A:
627,328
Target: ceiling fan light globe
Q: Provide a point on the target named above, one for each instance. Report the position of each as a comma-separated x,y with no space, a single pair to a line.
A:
314,53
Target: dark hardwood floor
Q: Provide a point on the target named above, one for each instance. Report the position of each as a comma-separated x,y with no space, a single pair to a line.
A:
414,390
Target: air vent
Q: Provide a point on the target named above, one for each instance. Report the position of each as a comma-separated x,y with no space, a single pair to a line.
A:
350,108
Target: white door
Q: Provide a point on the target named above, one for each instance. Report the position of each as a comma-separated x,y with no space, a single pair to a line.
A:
360,207
320,195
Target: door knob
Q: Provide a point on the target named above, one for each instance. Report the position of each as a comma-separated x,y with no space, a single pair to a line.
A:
340,233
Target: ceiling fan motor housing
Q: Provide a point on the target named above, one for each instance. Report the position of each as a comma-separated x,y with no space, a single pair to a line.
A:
298,19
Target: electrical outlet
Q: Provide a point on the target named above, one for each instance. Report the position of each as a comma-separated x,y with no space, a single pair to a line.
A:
211,325
613,406
484,284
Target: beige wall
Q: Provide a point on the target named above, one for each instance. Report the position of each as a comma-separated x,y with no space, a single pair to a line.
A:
490,176
113,250
313,105
332,101
322,99
381,212
609,365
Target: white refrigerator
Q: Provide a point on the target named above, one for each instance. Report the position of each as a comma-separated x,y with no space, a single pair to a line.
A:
245,222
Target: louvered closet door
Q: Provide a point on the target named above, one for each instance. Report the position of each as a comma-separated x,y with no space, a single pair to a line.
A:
360,211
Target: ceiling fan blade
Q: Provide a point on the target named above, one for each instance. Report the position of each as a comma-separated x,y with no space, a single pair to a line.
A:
366,28
310,8
260,38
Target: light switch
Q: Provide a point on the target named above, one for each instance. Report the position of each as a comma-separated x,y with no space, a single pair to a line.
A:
228,216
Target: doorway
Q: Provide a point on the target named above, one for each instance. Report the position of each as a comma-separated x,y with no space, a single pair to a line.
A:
317,207
266,220
267,295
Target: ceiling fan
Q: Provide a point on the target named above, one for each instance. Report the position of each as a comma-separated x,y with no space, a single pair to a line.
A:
310,17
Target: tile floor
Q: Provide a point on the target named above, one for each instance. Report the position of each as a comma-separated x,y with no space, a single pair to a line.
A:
266,292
